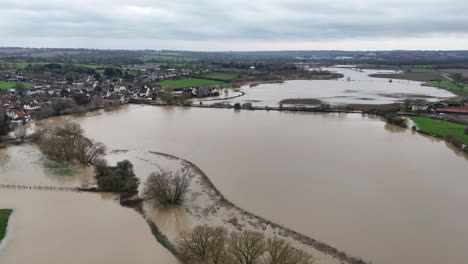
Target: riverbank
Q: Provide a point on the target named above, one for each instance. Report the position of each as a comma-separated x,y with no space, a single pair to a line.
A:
4,217
456,134
205,204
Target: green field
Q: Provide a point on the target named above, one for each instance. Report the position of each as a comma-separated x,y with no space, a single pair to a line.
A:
192,82
4,215
442,128
447,85
8,85
222,76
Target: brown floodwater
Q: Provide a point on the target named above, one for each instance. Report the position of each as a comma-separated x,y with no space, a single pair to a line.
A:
376,191
66,227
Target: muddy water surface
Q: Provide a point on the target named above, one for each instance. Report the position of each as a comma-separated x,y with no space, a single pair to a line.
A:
67,227
368,188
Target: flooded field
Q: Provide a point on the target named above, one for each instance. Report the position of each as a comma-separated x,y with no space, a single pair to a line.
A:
371,189
355,87
67,227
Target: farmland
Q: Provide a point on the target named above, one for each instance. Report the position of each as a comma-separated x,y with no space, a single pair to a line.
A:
8,85
442,128
446,84
222,76
192,82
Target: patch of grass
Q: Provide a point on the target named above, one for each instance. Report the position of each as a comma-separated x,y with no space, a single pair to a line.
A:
442,128
446,84
222,76
59,169
190,82
8,85
4,216
158,238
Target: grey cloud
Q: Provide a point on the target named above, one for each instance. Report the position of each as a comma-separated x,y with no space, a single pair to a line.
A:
227,21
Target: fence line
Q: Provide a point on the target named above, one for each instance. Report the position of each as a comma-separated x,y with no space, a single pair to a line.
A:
40,188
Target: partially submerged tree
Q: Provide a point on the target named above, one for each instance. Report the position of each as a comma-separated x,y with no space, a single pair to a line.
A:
166,188
67,144
204,244
119,178
213,245
20,133
245,248
280,251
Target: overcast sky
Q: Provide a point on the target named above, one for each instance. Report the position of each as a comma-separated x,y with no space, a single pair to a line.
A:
236,25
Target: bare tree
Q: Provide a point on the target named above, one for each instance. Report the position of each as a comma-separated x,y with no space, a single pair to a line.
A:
167,188
245,247
281,252
457,78
20,133
67,144
204,244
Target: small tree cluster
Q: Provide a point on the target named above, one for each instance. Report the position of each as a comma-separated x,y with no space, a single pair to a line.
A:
213,245
119,178
166,188
395,119
67,144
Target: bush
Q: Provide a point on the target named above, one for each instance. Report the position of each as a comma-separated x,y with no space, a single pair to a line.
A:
395,119
166,188
119,178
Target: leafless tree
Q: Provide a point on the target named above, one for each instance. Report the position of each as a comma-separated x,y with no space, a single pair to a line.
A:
204,244
67,144
212,245
279,251
20,133
457,78
167,188
245,248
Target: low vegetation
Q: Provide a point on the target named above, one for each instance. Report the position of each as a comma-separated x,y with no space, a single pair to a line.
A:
444,129
449,85
59,169
119,178
66,144
4,216
191,82
222,76
9,85
166,188
213,245
395,119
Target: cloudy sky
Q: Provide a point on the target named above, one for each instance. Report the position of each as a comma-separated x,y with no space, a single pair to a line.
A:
236,25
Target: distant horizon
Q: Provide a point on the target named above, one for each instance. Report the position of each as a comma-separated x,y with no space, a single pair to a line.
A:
234,51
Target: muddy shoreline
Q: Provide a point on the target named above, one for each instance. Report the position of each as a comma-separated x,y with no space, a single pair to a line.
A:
263,222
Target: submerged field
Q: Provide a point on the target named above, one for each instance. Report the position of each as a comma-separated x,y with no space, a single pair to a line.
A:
442,128
4,216
192,82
